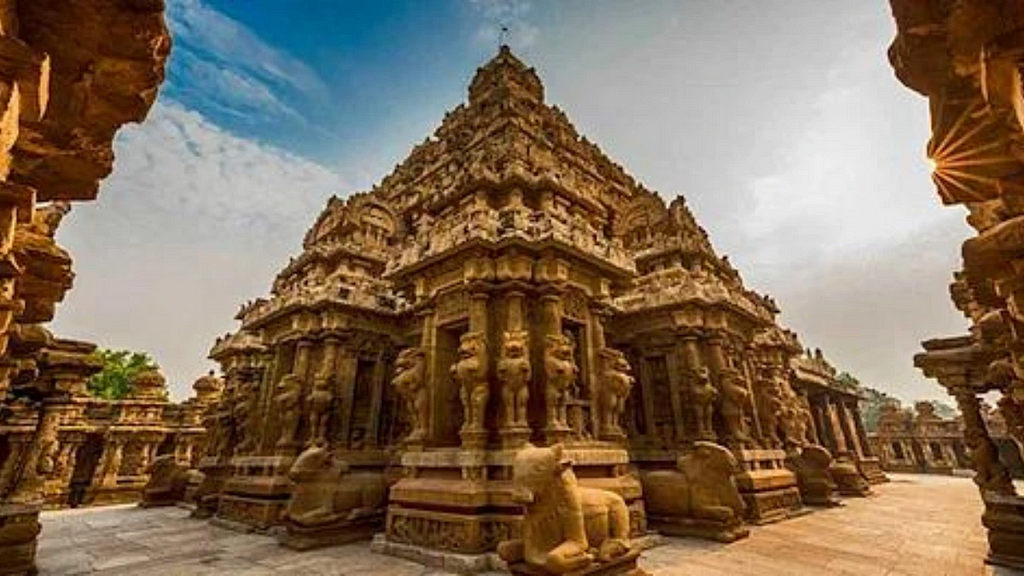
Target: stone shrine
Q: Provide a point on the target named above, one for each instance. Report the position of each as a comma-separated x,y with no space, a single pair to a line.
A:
506,285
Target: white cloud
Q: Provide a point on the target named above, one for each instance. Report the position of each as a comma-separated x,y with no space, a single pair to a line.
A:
512,15
192,222
219,63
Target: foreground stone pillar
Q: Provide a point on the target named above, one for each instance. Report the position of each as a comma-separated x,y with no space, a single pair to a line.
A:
1004,509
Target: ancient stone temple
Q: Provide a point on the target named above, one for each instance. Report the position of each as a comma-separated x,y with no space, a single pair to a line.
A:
919,440
836,423
71,74
967,58
506,285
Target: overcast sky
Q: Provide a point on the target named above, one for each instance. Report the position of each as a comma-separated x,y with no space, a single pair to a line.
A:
781,122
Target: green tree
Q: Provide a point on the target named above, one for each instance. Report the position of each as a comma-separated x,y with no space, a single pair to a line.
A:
871,406
119,367
945,411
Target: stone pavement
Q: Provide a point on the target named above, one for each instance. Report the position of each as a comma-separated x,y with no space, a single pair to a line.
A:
913,525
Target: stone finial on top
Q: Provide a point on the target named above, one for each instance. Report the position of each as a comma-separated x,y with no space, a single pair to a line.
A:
208,388
148,384
503,77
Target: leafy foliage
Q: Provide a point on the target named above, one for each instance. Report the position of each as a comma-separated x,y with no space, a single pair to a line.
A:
945,411
119,367
871,406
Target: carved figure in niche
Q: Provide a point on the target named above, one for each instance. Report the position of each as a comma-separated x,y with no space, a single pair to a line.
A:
811,465
700,498
702,397
565,527
470,372
288,402
773,409
560,369
411,387
735,403
616,382
514,374
240,412
167,482
326,491
320,400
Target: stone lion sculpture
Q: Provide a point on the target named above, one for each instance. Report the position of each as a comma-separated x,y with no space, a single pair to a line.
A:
616,383
326,491
167,482
471,373
560,369
565,527
410,384
514,371
700,498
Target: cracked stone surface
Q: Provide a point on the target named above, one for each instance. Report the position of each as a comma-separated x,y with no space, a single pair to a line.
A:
913,525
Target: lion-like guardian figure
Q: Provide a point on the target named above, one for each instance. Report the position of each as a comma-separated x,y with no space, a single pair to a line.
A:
565,527
700,498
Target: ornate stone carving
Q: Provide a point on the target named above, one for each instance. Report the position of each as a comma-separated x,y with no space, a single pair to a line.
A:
410,384
700,498
565,528
514,371
616,382
703,395
320,400
734,406
288,403
326,492
560,369
812,463
470,372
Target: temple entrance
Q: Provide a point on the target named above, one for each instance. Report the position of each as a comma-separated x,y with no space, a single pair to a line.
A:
87,457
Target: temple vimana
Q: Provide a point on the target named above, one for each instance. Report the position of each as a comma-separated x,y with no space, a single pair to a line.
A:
509,353
510,285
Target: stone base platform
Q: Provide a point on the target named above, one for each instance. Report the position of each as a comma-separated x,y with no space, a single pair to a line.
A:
624,566
905,530
697,528
299,537
19,527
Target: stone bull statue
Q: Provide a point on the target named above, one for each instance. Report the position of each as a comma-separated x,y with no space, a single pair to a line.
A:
329,503
700,498
566,528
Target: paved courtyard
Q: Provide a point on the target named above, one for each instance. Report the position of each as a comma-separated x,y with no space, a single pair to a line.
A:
913,525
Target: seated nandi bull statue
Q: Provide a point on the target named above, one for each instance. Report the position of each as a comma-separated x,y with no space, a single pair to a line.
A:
565,528
811,465
699,499
167,482
330,504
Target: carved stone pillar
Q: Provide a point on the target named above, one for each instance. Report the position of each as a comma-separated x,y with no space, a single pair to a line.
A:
556,429
475,391
515,372
990,474
832,418
849,429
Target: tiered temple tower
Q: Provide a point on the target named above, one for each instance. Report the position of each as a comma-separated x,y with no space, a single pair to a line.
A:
506,283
